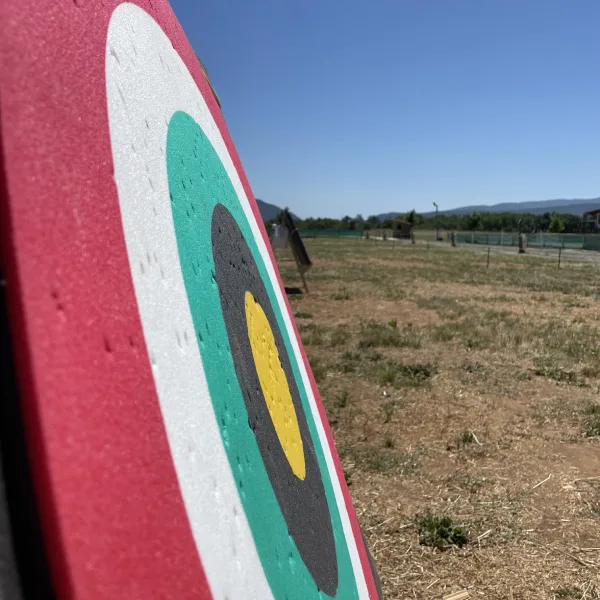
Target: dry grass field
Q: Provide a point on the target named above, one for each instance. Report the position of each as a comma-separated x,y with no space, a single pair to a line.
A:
464,404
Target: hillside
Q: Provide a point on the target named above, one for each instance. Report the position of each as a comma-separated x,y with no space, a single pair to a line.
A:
270,211
574,207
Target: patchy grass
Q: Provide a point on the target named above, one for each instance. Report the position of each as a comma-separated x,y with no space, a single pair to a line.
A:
472,367
318,369
303,315
388,408
558,374
444,332
498,298
346,367
589,590
591,420
339,336
406,375
311,334
385,460
415,350
381,335
446,306
341,294
591,371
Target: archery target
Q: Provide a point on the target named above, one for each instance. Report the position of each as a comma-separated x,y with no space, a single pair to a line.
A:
181,446
209,269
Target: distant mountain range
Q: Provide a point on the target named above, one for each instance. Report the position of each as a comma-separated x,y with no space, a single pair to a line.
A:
574,207
270,211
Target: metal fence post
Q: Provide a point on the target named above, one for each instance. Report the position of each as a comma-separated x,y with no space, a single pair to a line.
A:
559,253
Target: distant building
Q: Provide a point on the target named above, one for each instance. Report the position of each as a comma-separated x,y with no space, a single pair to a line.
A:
591,220
401,229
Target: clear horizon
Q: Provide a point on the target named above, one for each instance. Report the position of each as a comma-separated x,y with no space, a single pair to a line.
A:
386,106
567,201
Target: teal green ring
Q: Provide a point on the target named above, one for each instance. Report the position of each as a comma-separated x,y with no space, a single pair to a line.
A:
197,182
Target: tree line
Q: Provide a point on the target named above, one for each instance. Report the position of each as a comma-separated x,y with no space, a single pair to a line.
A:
496,221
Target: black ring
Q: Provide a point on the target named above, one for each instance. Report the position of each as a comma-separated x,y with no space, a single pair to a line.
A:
302,502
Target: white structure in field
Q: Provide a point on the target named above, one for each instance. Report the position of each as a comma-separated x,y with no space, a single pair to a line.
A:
281,236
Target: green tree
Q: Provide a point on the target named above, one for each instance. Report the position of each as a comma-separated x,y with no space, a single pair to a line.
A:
474,221
542,222
411,216
557,223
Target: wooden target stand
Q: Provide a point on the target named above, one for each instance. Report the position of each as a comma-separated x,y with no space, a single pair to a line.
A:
140,304
296,245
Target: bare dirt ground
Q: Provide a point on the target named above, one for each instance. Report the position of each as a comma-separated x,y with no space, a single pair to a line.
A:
471,394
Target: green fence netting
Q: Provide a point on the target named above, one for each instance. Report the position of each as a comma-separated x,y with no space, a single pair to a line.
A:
591,242
574,241
313,233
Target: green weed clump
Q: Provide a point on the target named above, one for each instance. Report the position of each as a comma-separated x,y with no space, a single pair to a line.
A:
464,439
406,375
342,399
558,374
441,532
591,420
388,411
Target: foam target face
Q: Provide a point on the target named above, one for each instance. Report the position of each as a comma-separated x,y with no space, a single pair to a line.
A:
183,447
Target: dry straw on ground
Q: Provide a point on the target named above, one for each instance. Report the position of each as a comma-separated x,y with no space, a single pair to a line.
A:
461,392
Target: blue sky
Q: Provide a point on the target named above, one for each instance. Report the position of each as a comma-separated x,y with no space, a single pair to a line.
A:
367,107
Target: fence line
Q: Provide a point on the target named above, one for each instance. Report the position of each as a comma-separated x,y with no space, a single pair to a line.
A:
314,233
574,241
